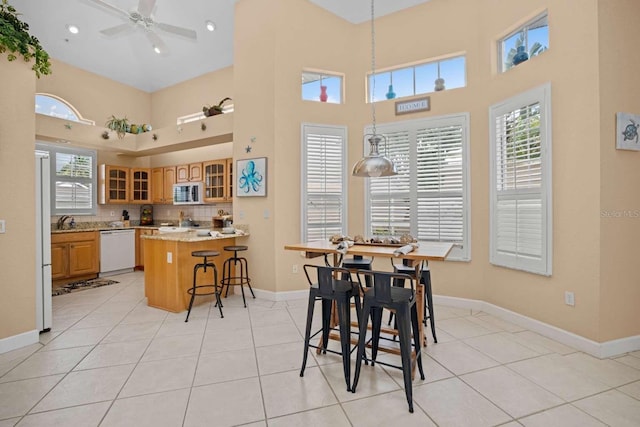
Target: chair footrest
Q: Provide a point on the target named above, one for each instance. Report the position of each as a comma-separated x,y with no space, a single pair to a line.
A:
235,281
190,291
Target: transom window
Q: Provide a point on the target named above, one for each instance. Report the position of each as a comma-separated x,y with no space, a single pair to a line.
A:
525,42
429,198
322,87
51,105
418,79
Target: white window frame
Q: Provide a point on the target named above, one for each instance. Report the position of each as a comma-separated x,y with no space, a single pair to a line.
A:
331,131
514,258
53,150
461,250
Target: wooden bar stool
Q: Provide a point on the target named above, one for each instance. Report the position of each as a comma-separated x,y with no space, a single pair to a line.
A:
212,288
237,280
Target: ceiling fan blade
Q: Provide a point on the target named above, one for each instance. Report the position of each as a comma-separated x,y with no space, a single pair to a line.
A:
184,32
157,42
112,8
145,7
121,29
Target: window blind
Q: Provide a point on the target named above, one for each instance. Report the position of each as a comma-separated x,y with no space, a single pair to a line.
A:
324,191
520,219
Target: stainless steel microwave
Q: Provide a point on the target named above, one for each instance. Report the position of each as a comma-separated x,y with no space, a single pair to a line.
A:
188,193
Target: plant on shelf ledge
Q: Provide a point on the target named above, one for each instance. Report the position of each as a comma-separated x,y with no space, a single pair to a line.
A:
214,110
15,39
119,126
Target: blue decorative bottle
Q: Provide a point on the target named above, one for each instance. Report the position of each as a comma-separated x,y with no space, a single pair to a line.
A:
390,94
520,56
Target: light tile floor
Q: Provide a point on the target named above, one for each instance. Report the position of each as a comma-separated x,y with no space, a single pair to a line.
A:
112,361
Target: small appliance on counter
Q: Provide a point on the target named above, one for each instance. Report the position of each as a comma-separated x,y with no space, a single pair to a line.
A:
146,215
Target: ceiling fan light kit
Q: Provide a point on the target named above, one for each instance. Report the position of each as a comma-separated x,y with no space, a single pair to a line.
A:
142,17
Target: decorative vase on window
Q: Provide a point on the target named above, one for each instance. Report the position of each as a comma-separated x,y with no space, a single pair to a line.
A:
323,94
439,84
390,94
520,56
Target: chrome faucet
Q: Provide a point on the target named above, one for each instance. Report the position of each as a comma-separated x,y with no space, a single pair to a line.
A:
60,224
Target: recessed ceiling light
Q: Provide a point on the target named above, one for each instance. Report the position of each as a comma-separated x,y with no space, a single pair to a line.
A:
73,29
156,49
210,25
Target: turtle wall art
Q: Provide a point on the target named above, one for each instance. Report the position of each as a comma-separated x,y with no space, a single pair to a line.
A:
627,131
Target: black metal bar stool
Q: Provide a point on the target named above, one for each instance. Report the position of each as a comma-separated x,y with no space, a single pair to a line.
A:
403,302
329,285
237,280
425,280
357,263
194,289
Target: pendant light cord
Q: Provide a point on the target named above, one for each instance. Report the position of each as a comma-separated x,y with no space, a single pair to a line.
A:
373,67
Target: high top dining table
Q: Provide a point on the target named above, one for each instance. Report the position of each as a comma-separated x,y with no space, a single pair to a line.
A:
426,251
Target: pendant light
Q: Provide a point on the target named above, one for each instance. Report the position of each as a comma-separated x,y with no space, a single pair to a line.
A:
374,165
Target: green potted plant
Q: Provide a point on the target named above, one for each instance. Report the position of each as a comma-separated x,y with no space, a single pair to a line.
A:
120,126
16,40
213,110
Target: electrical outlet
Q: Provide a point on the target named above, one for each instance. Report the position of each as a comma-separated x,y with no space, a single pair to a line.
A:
294,269
112,213
569,298
169,257
2,226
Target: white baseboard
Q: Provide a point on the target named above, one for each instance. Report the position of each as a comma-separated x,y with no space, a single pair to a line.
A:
279,296
21,340
596,349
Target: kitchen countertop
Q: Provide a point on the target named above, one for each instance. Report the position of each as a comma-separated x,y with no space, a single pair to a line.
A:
81,229
190,236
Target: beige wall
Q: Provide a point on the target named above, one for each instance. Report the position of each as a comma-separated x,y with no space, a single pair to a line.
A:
619,214
275,41
17,193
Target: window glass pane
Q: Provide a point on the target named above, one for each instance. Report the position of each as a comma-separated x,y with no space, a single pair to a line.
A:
403,82
54,107
334,89
453,72
382,82
426,76
311,87
532,38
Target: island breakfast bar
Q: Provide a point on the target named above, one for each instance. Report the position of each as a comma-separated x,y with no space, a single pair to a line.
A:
168,266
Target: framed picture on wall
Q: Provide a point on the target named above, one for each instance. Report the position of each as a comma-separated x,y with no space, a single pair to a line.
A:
627,131
251,178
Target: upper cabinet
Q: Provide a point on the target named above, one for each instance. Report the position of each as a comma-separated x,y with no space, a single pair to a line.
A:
189,173
140,185
114,184
162,180
218,180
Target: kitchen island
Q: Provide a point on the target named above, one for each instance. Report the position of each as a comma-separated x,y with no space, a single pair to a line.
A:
168,266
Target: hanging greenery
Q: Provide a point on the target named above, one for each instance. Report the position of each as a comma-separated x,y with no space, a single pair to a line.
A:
16,40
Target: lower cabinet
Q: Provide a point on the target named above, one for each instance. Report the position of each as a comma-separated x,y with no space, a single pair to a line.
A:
74,256
140,245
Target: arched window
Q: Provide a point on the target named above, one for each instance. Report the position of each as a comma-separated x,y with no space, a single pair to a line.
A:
51,105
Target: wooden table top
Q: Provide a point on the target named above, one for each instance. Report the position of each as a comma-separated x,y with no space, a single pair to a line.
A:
436,251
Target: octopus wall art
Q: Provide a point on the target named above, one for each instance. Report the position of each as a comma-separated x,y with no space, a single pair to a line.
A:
252,177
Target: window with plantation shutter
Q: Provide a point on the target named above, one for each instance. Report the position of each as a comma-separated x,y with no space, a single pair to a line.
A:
521,182
324,190
73,180
429,197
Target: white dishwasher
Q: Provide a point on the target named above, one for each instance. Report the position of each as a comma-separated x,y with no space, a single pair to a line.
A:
117,251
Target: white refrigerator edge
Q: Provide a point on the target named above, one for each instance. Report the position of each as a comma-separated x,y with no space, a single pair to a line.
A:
43,243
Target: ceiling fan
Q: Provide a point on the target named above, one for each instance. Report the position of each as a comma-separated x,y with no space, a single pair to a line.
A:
142,17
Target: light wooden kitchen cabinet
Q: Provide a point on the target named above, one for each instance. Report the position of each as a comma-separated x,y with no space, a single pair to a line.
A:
140,245
189,173
114,184
74,256
162,180
140,185
218,180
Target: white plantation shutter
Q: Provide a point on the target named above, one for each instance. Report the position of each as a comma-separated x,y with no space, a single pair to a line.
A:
323,181
73,180
521,182
429,197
